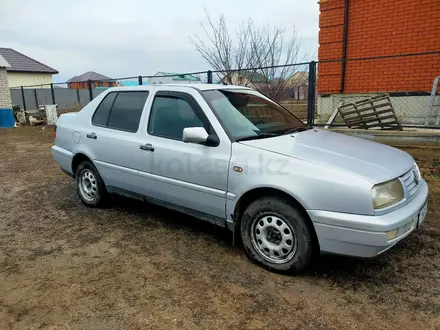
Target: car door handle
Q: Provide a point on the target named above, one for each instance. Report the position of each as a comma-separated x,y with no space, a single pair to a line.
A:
92,136
146,147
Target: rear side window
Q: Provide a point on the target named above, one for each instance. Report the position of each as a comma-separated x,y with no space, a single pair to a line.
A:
121,111
127,110
101,114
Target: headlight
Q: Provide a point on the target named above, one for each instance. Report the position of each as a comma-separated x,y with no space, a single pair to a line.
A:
419,175
386,194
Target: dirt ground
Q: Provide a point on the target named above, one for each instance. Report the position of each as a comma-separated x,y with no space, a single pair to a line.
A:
134,265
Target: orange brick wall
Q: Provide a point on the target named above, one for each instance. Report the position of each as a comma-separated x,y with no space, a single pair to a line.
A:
82,85
380,28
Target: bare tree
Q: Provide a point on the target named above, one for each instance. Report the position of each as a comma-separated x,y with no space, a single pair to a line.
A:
256,56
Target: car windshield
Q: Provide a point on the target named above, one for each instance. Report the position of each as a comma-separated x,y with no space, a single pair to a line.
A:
248,115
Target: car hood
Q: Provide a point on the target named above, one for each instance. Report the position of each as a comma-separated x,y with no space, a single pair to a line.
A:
372,161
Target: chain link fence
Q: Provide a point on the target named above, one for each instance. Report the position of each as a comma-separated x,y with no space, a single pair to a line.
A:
411,110
408,79
287,85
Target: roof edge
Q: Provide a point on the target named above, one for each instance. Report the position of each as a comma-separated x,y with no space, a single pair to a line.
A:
4,63
79,78
51,70
37,71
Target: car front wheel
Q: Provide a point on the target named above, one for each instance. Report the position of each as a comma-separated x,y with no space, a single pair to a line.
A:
276,235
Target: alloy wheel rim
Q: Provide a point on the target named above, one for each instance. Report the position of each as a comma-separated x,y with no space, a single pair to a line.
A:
274,239
88,185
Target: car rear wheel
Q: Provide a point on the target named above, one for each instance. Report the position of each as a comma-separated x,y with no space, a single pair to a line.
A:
90,187
276,235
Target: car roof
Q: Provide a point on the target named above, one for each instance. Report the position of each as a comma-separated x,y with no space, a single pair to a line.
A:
199,87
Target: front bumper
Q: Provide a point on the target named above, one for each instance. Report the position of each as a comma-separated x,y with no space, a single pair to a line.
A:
363,235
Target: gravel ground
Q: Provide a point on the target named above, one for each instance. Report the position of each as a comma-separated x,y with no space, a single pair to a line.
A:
134,265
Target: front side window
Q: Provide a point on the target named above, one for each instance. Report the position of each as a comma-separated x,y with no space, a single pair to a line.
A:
247,114
121,110
170,115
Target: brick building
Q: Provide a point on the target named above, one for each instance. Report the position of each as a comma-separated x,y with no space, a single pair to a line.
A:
399,42
6,114
81,81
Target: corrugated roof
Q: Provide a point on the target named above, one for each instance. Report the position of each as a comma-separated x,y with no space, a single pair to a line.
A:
178,76
252,76
22,63
131,83
299,78
91,75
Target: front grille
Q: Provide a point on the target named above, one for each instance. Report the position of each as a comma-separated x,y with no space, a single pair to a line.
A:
410,184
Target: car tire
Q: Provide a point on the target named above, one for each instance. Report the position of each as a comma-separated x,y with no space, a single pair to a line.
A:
276,235
90,186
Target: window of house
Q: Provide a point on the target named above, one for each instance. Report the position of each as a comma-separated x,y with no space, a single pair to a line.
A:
100,84
170,115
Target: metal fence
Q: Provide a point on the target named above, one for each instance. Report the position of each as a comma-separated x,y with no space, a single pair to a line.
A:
295,86
29,98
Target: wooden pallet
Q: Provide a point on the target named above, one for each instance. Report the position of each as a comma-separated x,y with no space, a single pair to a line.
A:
373,112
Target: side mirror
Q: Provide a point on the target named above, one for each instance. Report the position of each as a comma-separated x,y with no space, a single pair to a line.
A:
195,135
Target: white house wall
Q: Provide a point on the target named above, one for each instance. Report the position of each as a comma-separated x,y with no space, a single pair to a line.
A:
17,79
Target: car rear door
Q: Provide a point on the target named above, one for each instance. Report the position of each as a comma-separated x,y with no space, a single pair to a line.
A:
114,136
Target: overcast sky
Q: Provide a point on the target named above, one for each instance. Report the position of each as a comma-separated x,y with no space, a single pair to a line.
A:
130,37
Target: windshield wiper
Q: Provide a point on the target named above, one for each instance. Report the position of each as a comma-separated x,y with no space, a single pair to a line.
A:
294,130
256,137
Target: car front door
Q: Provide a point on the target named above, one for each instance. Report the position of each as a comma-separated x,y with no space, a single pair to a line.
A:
114,136
192,176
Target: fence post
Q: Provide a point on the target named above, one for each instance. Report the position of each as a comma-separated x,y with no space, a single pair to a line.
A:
23,98
36,97
209,77
311,94
90,90
52,92
140,80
